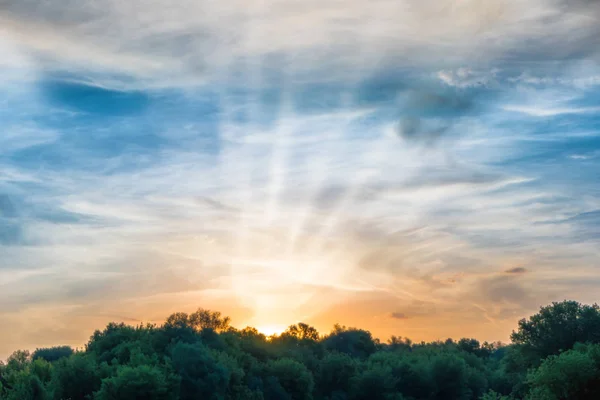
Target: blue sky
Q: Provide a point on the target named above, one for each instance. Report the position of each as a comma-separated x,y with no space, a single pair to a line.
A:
424,169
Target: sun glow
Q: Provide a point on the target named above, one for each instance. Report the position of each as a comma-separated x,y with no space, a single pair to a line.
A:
270,330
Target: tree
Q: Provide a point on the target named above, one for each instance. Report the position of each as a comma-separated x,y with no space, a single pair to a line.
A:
399,343
177,327
374,383
42,369
18,360
450,376
206,319
112,342
199,356
302,331
76,377
491,395
557,328
143,382
574,374
51,354
474,347
201,375
28,387
336,373
352,341
178,320
294,378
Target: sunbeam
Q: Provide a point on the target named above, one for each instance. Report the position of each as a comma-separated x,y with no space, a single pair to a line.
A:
399,164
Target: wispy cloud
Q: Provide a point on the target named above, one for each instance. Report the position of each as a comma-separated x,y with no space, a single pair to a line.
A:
551,112
401,157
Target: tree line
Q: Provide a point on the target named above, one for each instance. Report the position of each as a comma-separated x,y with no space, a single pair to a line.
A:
553,355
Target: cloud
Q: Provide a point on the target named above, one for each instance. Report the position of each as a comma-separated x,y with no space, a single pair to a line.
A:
398,315
208,147
20,137
516,270
427,115
505,289
88,98
467,78
551,112
580,157
182,44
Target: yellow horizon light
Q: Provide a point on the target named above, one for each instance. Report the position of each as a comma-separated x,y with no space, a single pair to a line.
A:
271,330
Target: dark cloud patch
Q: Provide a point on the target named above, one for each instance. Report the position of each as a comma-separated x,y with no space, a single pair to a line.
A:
381,88
516,270
398,315
91,99
428,115
426,108
430,104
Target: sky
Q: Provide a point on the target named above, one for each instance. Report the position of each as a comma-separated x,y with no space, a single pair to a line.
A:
417,168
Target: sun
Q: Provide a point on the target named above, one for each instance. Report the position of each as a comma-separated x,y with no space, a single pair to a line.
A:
270,330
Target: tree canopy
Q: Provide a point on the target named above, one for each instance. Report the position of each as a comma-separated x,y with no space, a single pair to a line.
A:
554,355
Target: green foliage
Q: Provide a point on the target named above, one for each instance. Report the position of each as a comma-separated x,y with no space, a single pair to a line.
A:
201,375
374,383
336,373
42,369
355,342
555,356
28,387
449,372
557,328
574,374
142,382
18,361
295,379
76,377
51,354
491,395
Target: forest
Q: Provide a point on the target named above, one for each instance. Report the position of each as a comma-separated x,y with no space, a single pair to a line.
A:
554,354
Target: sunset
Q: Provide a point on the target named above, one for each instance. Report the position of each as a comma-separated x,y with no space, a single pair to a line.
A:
416,169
